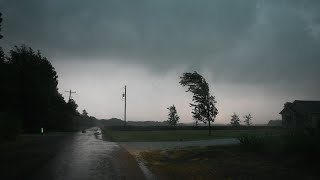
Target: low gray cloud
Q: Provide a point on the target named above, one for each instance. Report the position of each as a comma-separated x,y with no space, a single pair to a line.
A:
148,31
266,43
244,40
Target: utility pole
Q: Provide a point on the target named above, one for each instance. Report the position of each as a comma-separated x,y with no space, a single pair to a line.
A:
70,92
125,105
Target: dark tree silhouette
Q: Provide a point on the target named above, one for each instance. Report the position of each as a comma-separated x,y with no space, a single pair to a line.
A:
235,120
204,108
173,117
0,24
1,51
85,121
29,95
34,84
33,92
247,119
9,121
84,113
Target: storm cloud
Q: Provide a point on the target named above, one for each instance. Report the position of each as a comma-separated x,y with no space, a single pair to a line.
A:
246,48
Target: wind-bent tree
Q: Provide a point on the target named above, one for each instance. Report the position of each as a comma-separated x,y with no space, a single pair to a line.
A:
204,108
173,117
235,120
247,119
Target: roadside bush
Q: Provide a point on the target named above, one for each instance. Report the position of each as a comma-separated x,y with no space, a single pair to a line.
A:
289,143
252,142
9,127
299,142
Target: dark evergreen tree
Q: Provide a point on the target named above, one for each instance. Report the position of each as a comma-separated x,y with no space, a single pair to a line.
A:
173,117
235,120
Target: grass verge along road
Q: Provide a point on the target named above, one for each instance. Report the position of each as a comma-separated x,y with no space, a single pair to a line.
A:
182,135
228,162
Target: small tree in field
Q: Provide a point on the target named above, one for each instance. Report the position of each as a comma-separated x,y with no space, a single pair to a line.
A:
235,120
173,117
204,108
247,119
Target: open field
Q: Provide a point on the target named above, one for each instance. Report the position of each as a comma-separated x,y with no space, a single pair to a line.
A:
182,135
229,162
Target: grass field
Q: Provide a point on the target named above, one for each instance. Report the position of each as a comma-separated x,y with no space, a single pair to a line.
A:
230,162
182,135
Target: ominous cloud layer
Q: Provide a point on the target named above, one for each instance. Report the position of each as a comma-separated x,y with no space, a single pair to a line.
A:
253,52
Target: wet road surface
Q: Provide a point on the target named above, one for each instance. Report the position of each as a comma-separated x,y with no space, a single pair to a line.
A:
86,156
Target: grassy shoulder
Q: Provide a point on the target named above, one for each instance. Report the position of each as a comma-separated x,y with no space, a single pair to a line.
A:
228,162
22,157
181,135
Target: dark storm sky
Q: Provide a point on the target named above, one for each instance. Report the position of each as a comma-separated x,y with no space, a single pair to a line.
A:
256,55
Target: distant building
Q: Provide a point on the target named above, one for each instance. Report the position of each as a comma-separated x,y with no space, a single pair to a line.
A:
301,115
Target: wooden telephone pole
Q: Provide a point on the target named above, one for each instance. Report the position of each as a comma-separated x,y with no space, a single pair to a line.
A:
125,105
70,92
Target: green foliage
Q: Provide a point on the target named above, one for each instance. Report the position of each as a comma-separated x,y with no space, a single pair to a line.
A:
204,108
173,117
235,120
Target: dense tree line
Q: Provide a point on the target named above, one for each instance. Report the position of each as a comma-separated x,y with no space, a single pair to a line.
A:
29,95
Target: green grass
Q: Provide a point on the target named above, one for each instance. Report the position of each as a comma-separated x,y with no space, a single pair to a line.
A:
184,135
229,162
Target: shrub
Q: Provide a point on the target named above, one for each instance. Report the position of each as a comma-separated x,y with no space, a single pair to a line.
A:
294,142
252,142
9,127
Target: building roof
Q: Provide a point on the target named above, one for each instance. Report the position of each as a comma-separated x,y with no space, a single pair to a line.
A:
304,107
